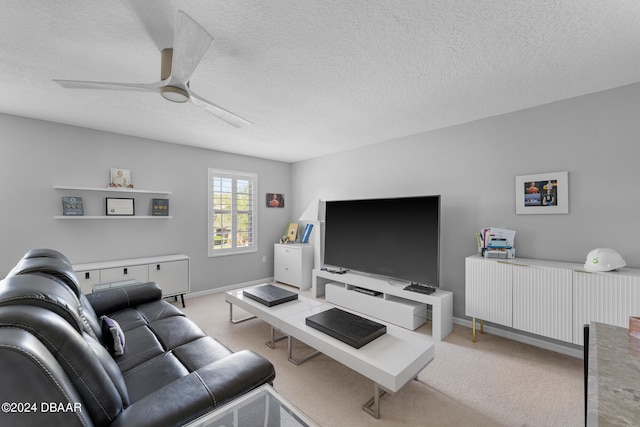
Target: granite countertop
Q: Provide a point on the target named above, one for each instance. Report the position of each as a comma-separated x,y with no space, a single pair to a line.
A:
613,396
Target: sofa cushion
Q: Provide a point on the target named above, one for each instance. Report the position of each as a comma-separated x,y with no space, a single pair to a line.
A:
201,352
54,265
41,291
116,299
152,375
101,398
175,331
30,374
50,267
157,310
47,253
142,345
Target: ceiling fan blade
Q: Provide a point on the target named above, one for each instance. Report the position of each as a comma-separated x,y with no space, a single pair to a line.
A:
219,112
190,44
157,17
81,84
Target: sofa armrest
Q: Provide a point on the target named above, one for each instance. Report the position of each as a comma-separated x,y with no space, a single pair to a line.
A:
116,299
199,392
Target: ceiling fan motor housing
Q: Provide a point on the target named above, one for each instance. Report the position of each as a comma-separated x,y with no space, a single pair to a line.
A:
172,93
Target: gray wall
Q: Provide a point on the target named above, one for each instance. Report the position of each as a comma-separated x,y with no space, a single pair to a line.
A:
35,155
596,138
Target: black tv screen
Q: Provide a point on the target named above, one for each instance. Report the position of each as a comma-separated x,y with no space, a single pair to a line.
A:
396,237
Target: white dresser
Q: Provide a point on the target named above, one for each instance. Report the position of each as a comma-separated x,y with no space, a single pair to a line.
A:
171,272
548,298
292,264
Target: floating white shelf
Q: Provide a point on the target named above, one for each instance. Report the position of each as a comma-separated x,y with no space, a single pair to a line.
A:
110,217
110,189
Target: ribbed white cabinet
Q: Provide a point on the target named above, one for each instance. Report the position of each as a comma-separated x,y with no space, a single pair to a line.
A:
489,290
604,297
547,298
292,264
542,300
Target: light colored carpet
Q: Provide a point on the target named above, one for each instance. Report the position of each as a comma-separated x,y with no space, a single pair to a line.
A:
494,382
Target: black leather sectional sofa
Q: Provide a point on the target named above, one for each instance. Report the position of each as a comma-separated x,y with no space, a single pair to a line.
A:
58,362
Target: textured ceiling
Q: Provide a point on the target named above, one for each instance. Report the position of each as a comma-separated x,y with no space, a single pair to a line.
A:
316,77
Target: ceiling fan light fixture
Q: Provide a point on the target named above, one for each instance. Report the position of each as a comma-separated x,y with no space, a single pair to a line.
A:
174,94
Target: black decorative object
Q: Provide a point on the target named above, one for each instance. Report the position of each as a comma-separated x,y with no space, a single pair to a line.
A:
270,295
346,327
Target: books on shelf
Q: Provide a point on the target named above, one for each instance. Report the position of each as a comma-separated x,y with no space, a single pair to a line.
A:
306,233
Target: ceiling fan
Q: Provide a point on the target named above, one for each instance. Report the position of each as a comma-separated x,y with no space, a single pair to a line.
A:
178,62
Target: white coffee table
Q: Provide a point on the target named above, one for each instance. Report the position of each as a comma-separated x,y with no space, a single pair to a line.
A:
390,361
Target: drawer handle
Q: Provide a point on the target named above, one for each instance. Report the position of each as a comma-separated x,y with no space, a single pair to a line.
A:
126,271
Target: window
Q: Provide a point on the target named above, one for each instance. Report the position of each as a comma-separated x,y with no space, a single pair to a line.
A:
232,212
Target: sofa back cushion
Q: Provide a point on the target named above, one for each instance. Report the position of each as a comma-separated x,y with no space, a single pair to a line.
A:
85,362
32,376
52,264
41,291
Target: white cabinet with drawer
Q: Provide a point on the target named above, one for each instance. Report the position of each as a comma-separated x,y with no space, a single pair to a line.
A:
173,276
87,278
171,272
292,264
126,272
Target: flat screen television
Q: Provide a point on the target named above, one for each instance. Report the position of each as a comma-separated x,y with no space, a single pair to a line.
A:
397,238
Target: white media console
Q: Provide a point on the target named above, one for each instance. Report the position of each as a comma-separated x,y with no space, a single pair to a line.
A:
384,300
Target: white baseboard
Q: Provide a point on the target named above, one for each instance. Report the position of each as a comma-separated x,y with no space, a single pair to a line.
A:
228,288
568,349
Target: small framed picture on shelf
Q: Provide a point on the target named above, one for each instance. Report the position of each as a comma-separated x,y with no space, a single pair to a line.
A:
160,207
120,207
72,206
120,178
292,231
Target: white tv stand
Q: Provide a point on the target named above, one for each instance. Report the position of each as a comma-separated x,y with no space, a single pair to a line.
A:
394,305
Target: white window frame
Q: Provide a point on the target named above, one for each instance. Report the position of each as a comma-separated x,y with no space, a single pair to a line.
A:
216,250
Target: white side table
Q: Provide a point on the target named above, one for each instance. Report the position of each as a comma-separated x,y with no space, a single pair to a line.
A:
292,264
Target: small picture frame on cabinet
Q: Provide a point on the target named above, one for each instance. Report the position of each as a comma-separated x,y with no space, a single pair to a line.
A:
119,207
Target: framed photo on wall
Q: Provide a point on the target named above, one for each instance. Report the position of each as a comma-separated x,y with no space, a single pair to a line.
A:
119,207
275,200
545,193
